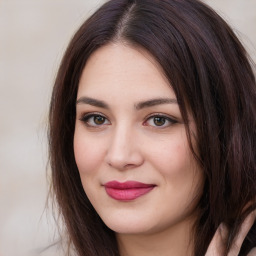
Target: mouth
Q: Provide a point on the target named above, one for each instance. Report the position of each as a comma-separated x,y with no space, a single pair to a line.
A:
127,191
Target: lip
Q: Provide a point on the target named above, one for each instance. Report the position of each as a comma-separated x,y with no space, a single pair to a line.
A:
127,191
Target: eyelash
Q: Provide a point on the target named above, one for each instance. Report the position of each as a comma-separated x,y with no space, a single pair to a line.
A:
86,118
167,120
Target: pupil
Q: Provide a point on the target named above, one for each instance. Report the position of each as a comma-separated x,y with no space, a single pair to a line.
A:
99,119
159,121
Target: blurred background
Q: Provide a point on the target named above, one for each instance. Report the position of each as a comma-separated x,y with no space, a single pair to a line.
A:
33,37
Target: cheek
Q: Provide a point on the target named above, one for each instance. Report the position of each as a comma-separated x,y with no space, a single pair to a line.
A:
88,154
174,161
171,156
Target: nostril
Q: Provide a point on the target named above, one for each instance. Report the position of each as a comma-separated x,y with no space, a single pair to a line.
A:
129,166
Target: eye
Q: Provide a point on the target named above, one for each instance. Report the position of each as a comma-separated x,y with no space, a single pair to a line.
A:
160,121
94,120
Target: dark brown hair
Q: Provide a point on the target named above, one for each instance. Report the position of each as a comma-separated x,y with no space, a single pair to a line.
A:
209,71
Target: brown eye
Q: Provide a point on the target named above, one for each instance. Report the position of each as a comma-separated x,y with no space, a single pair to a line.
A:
98,120
94,120
159,121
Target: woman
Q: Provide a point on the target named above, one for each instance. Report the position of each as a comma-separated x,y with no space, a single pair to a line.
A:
152,133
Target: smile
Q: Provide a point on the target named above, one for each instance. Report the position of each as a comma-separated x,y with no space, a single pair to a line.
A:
128,190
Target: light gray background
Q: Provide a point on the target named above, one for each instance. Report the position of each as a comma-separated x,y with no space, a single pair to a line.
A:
33,36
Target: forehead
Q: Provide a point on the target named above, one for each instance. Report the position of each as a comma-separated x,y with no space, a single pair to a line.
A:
123,70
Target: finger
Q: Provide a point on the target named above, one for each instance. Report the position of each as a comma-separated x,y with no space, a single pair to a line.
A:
217,245
252,252
246,226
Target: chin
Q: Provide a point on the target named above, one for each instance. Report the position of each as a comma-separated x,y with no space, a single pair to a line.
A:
128,225
139,223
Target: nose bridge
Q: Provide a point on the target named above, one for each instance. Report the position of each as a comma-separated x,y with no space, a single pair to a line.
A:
123,150
121,139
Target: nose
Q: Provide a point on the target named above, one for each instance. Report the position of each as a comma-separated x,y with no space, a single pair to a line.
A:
124,150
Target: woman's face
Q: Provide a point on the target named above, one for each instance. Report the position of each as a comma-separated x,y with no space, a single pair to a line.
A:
130,144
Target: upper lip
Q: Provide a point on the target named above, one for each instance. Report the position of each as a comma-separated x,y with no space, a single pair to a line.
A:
127,185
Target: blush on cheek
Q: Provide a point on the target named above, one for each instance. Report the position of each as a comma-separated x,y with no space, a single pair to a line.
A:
87,158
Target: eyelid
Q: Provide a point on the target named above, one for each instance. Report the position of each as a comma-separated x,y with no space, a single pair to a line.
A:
169,118
86,116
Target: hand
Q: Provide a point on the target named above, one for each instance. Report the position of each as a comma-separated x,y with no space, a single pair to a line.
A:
217,245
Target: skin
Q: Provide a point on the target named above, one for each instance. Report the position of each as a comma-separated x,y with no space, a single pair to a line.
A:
118,137
122,141
217,245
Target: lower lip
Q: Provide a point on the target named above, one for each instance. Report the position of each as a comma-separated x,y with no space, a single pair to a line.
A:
127,194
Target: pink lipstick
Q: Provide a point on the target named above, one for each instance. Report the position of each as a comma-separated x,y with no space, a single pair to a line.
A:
128,190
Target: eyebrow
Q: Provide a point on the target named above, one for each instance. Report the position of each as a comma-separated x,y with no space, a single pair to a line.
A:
138,106
93,102
154,102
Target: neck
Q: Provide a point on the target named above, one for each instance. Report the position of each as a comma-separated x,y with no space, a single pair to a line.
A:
174,241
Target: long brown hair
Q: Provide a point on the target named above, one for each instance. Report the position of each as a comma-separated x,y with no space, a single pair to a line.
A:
211,76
